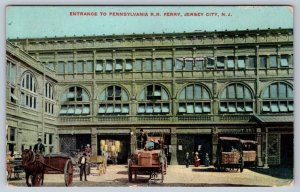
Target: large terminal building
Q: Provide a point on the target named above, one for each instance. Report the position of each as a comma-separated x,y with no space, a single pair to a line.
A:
190,88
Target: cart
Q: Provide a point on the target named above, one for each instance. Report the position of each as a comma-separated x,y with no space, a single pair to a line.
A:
17,167
152,163
229,154
249,152
100,162
58,164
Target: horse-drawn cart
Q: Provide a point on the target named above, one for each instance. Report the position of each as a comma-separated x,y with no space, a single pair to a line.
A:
152,163
59,163
36,165
249,148
17,167
229,154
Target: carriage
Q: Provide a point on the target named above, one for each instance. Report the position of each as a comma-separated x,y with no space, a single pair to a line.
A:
36,165
59,163
229,154
150,162
17,167
249,148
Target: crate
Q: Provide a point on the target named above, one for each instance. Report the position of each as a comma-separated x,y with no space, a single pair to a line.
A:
230,157
155,159
145,159
249,156
148,158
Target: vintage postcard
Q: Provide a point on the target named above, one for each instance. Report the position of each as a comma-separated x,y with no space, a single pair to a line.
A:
175,96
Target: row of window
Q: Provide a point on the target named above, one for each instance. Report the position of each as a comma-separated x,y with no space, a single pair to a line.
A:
183,108
181,64
76,100
194,98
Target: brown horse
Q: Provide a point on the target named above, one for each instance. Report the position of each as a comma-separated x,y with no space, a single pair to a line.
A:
34,165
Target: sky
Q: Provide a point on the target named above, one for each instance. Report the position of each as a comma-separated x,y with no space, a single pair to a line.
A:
51,21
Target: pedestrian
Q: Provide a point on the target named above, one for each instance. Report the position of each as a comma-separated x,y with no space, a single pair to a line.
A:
207,162
82,164
196,160
144,138
9,165
39,148
187,159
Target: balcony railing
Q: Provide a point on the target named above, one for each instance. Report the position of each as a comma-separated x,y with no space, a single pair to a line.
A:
226,118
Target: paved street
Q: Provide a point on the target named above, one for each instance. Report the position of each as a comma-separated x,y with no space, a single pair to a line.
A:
177,175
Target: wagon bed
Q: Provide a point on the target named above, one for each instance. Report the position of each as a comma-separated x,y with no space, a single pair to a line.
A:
147,163
58,164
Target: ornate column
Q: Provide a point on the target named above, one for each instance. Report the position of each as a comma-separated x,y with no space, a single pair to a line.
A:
259,149
132,140
266,166
94,140
214,144
173,150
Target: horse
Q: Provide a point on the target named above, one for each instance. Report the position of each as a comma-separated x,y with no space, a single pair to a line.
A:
34,165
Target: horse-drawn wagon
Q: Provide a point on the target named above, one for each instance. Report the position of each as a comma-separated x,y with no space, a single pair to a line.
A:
249,148
229,154
149,161
36,166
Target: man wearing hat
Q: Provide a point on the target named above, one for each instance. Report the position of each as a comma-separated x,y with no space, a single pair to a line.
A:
39,147
82,164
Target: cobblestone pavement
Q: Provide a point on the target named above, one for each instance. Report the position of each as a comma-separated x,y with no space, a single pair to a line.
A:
177,175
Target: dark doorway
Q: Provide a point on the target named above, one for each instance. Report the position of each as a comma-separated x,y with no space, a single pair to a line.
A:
71,144
287,150
82,140
193,143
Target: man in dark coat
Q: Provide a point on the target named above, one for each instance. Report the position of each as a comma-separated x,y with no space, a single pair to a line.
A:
39,148
82,161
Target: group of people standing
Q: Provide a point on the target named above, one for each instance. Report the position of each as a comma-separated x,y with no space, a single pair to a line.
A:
196,159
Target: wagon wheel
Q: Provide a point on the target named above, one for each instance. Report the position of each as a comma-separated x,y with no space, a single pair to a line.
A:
17,175
129,171
129,175
256,162
242,164
218,165
68,172
162,172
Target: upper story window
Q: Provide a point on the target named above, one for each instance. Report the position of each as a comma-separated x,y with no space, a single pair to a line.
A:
236,98
11,72
114,100
49,91
75,101
49,102
275,61
152,65
29,91
278,98
194,99
153,100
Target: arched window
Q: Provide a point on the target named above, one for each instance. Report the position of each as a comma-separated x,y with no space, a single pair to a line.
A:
153,100
75,101
194,99
29,91
278,98
49,102
236,98
113,101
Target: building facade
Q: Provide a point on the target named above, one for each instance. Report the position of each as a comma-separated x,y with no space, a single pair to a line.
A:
190,88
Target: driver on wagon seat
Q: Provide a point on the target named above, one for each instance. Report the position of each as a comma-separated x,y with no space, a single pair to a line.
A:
39,148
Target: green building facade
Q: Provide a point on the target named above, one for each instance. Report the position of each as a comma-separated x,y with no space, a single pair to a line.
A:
190,88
